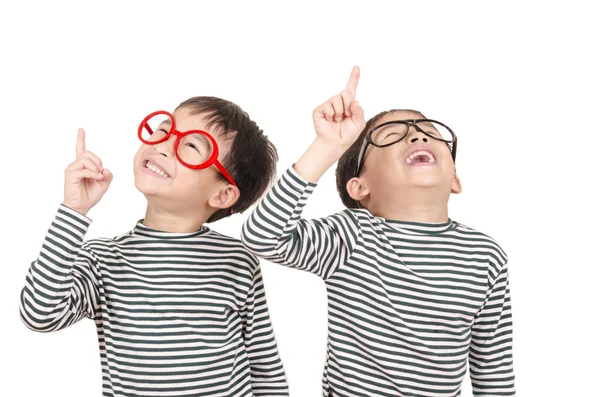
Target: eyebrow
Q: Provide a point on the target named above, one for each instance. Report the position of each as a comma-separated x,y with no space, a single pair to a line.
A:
426,122
431,126
165,121
427,125
389,126
202,140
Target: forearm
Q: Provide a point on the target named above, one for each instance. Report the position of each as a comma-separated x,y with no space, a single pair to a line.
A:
266,369
272,231
53,297
490,356
317,159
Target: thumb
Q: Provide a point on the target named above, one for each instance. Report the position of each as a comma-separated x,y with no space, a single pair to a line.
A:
108,177
358,115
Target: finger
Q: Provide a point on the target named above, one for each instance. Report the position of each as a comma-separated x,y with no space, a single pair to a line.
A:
358,115
86,174
80,148
347,98
328,111
108,177
84,163
338,107
95,159
353,80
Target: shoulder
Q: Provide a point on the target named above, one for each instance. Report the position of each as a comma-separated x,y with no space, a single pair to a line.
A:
354,216
102,243
479,237
232,248
483,243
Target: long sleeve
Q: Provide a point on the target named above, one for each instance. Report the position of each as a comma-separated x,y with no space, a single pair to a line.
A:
490,356
266,369
62,285
276,232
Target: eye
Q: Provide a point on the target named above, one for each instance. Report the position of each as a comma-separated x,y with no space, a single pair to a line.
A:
192,146
161,131
391,134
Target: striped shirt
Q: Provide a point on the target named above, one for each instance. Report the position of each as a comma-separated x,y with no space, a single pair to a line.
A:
177,314
410,304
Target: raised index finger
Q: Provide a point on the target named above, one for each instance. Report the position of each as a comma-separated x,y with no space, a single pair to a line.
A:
353,80
80,149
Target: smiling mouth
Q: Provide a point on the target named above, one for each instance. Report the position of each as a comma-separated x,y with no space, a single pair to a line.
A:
156,169
420,157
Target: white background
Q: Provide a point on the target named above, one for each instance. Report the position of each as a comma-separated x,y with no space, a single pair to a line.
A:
519,83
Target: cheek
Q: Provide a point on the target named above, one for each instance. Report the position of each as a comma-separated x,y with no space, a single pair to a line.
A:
141,151
381,162
194,182
390,160
449,170
447,162
136,158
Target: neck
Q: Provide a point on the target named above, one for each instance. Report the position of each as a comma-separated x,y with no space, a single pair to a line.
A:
163,218
415,206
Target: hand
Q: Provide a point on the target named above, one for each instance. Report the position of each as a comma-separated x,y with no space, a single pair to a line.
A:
86,180
340,120
338,123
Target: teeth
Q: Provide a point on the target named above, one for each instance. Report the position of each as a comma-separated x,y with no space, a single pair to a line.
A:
156,170
410,158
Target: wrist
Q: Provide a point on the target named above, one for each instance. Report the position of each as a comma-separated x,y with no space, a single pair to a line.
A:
318,158
81,211
331,149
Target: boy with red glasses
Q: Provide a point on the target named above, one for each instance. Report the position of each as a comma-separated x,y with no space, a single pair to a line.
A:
180,310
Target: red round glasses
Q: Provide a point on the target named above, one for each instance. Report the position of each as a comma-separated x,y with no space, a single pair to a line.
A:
195,149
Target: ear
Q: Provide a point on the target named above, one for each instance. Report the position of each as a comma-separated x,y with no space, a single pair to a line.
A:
225,197
356,189
456,185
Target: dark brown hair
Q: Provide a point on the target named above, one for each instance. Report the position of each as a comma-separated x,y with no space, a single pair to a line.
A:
252,158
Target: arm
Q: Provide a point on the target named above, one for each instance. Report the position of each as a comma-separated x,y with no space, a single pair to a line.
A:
266,368
275,231
62,285
490,356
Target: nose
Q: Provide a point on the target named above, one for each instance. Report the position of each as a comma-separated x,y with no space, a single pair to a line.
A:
166,148
415,134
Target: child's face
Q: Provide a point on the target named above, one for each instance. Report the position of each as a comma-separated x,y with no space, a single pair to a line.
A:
416,161
159,174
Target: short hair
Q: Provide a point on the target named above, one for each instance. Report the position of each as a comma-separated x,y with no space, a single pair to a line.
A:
252,158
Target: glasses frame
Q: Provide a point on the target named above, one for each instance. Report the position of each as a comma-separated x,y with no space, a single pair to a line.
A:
180,135
369,141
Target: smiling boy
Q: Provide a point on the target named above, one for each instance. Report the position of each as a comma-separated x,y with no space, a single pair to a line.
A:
180,310
413,296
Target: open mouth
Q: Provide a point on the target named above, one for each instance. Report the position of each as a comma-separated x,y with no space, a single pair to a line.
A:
156,169
420,157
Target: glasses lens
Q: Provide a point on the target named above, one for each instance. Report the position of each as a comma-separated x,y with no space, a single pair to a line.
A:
195,149
389,133
436,130
156,128
394,132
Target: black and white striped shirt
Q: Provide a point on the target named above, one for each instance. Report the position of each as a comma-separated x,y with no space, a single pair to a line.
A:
177,314
410,304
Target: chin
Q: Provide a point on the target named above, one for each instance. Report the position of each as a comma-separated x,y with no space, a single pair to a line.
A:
141,187
145,186
427,181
